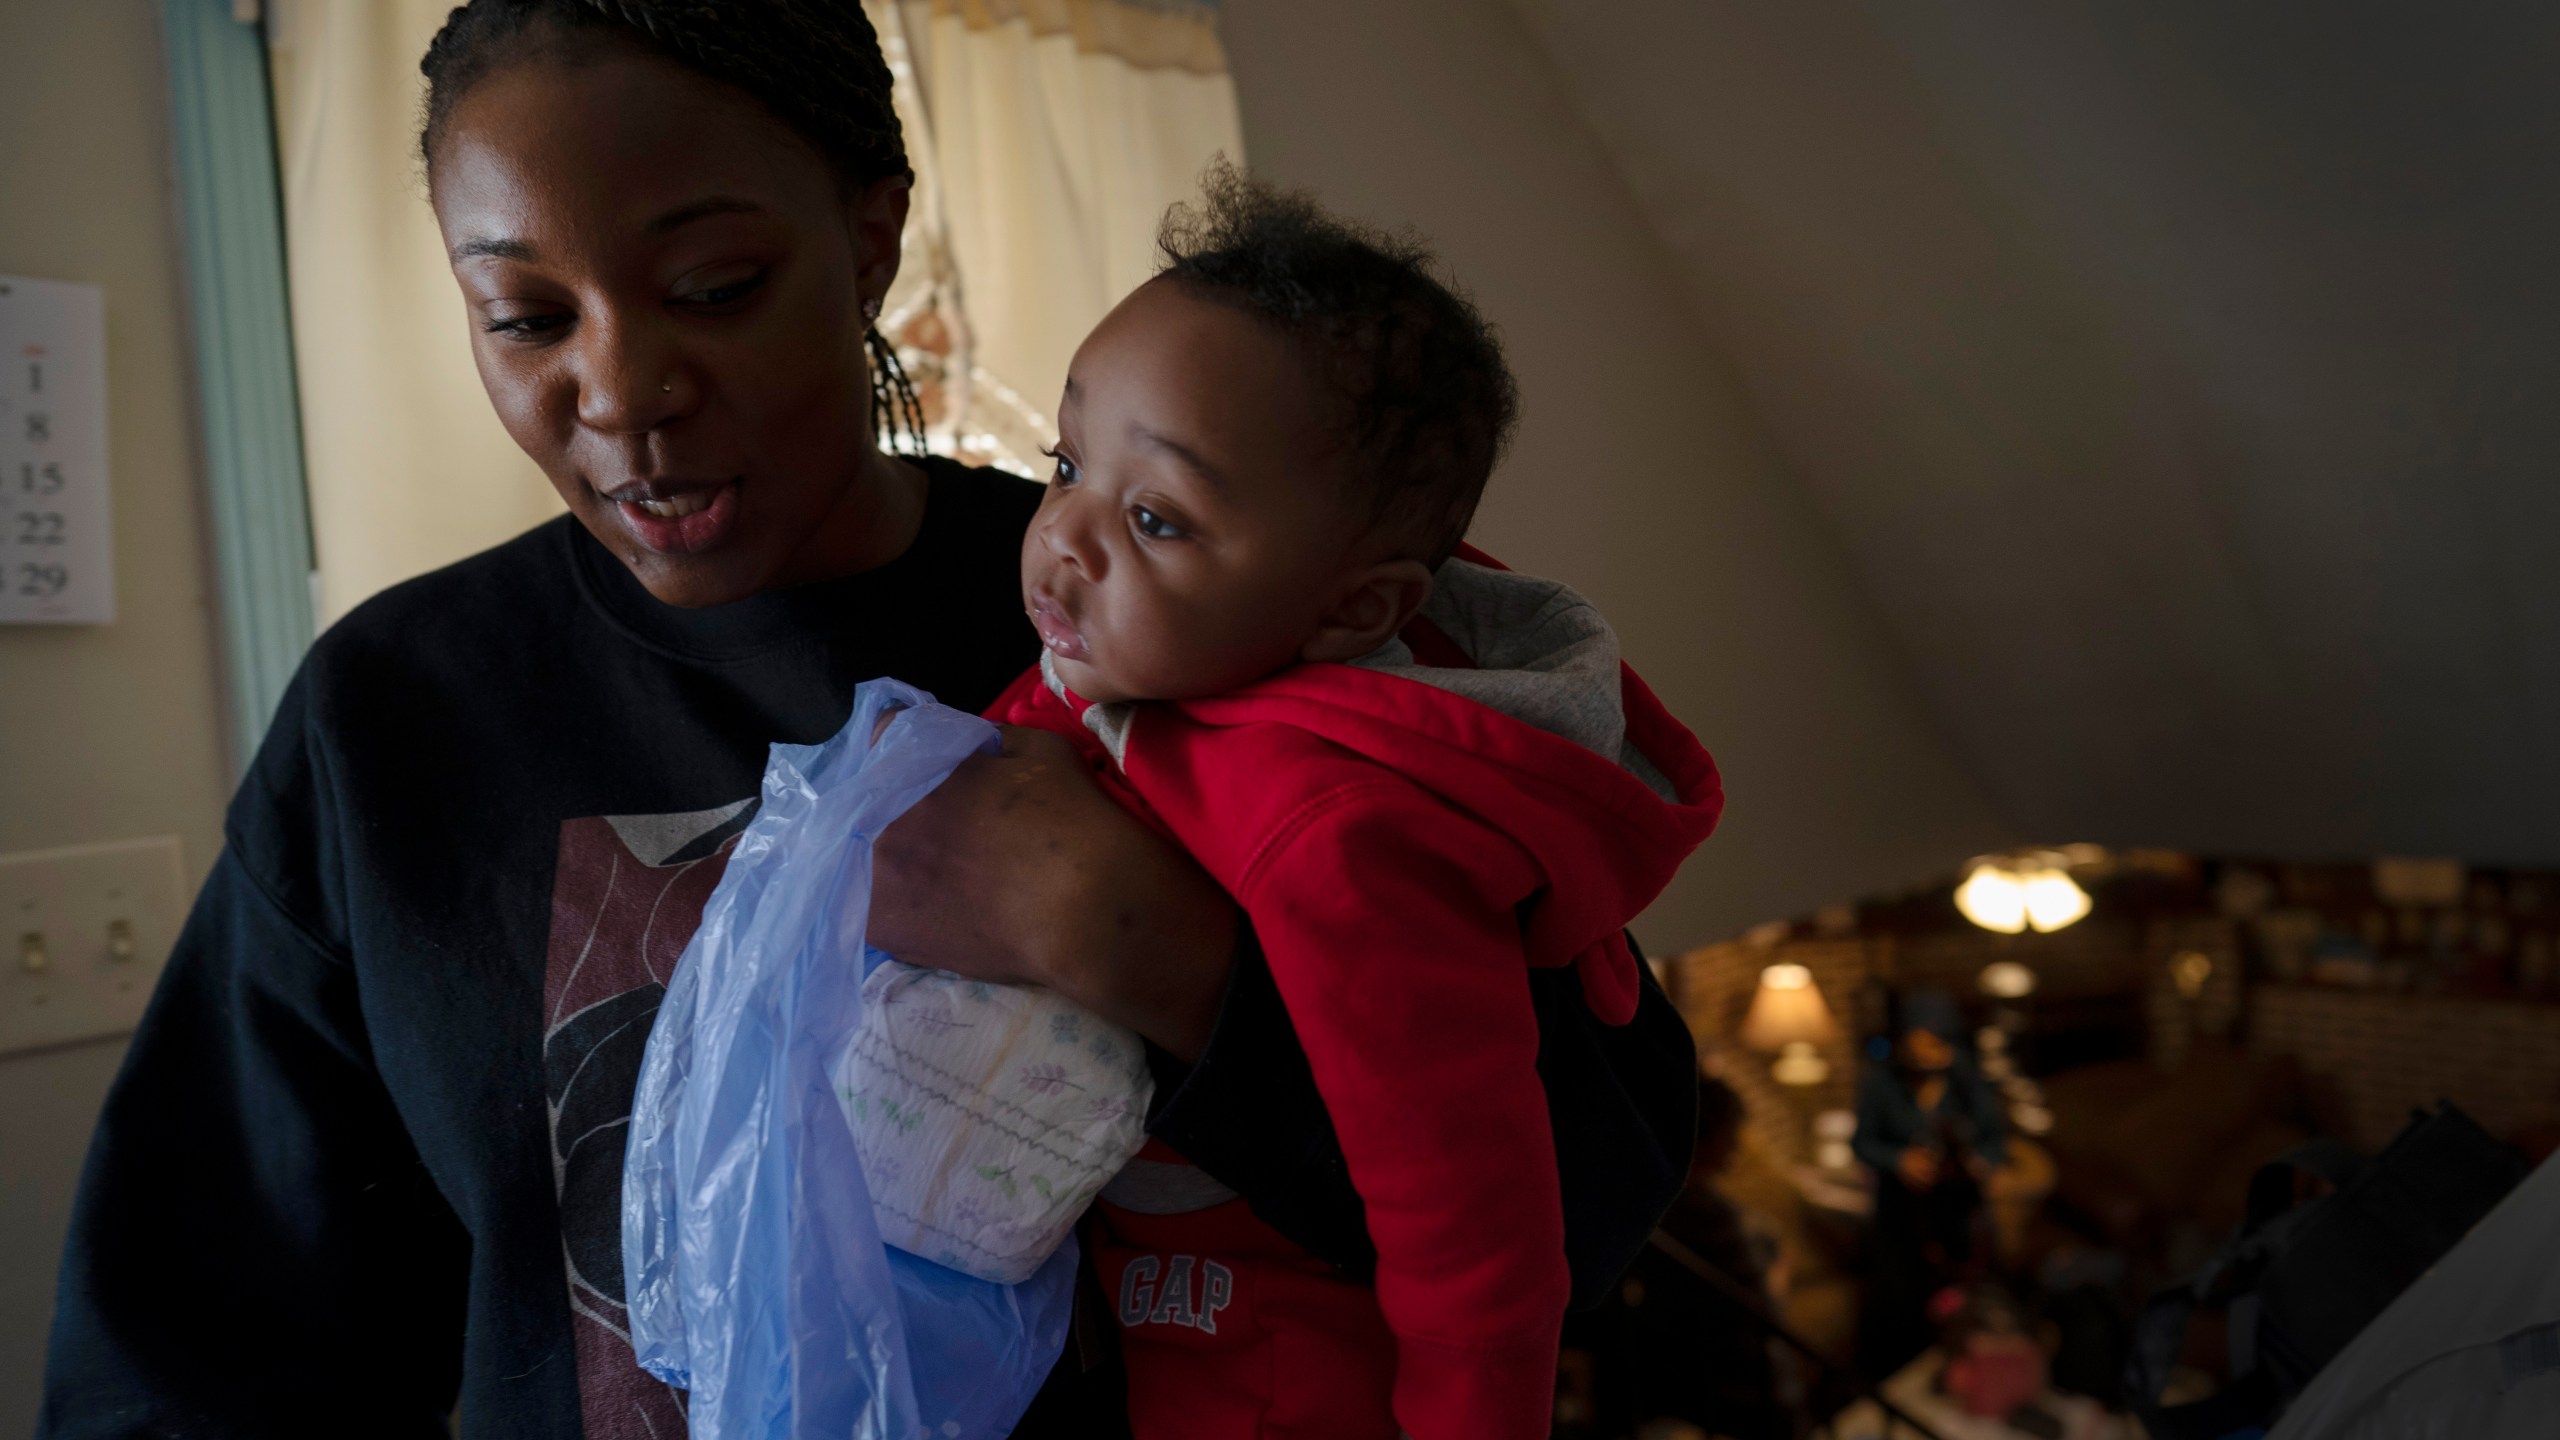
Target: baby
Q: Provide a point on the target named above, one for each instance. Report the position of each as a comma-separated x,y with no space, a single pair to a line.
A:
1419,774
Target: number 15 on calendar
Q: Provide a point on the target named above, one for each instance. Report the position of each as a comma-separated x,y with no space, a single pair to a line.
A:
56,554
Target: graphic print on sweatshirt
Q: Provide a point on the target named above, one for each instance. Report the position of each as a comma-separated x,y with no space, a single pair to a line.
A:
626,897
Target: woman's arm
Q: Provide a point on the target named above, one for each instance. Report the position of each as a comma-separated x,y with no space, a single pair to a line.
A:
1881,1135
1019,869
1989,1116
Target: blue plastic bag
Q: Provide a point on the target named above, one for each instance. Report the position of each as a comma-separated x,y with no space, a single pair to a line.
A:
756,1277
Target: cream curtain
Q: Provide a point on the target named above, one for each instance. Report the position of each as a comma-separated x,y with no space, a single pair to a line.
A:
1060,130
1048,138
407,464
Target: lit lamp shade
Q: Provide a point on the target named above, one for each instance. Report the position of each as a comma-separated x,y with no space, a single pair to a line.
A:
2007,980
1787,1016
2009,897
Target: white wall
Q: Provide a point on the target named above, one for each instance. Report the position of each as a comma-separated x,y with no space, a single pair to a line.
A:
113,731
1641,474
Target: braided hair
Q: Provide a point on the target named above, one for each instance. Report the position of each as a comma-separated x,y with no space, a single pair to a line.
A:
815,64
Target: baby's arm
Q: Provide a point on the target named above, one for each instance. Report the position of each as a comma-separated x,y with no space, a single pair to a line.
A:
1390,924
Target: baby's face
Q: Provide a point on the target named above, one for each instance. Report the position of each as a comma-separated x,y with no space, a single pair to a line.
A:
1195,537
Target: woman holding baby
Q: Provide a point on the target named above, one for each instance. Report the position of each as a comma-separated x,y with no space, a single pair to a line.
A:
360,1173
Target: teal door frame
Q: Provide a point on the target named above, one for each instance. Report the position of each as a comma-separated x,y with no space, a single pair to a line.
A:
232,217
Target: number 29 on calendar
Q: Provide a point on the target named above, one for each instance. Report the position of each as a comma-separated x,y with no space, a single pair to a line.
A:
56,554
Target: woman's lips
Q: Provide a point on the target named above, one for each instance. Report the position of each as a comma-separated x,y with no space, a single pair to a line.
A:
678,521
1057,631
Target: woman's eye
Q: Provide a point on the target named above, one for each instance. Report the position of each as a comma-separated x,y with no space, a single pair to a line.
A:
534,326
1066,471
726,288
1153,525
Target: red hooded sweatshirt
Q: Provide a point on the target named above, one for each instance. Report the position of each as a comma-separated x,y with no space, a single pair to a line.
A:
1405,851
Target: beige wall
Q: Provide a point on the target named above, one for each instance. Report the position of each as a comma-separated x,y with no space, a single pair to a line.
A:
109,731
1641,474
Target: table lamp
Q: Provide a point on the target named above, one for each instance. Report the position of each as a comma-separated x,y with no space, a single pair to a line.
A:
1787,1016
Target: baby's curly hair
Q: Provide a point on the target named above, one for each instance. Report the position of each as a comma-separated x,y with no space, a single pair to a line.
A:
1429,403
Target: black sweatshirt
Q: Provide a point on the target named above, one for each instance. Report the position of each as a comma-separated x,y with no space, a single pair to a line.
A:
361,1171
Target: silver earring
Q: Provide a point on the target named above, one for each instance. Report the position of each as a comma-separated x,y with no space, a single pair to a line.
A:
667,387
870,310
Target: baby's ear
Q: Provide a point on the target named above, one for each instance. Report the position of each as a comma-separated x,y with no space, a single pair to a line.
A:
1373,607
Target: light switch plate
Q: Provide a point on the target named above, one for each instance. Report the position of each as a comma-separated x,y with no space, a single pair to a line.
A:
84,932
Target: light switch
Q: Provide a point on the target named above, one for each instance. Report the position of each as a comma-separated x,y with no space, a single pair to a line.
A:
93,925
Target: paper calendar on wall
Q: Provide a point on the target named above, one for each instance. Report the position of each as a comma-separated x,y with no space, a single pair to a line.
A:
56,556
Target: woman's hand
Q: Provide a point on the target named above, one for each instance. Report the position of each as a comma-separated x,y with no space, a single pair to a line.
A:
1018,869
1919,1167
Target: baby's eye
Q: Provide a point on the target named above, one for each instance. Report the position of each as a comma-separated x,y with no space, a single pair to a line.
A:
1153,525
1066,472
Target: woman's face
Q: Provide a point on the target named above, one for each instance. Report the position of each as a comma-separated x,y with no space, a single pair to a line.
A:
665,286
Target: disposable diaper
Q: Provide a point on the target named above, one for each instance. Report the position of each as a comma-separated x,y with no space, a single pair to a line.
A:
987,1116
